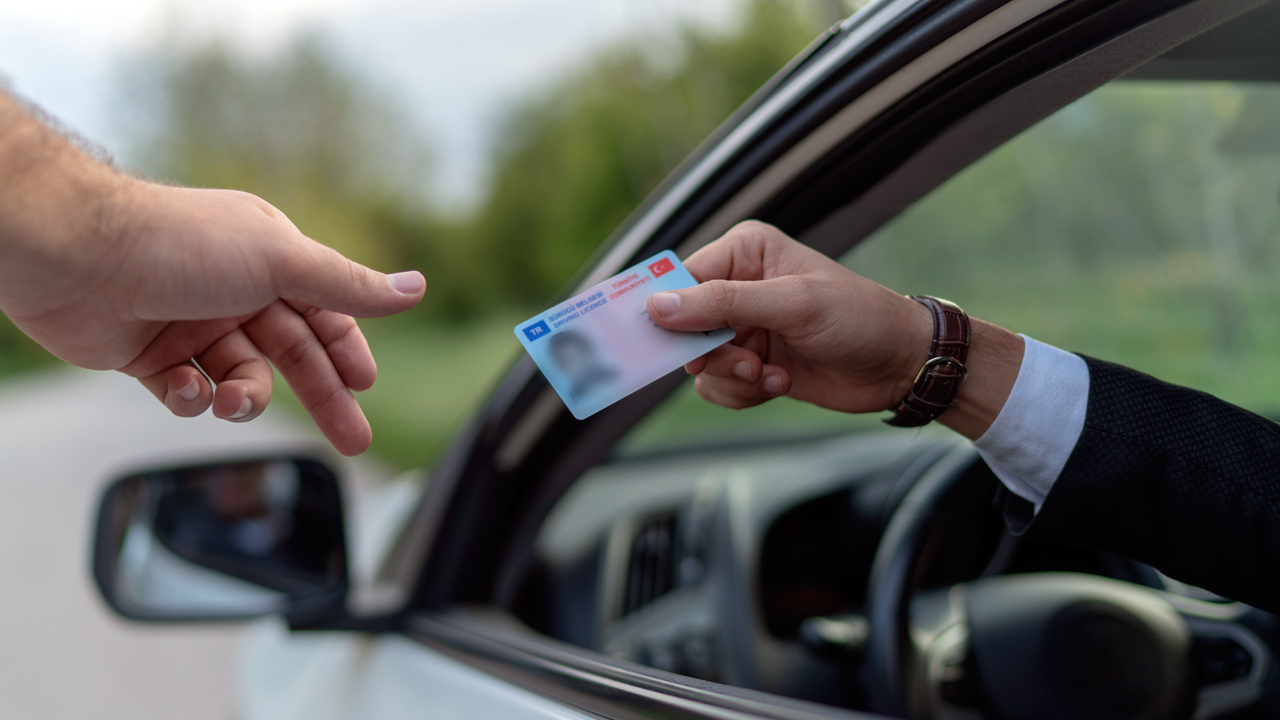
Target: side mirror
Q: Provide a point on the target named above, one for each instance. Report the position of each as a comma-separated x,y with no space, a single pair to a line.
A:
223,541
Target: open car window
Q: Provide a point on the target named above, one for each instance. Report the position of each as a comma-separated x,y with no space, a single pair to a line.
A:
1140,224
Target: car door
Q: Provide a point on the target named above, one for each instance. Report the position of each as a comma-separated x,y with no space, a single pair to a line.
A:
877,113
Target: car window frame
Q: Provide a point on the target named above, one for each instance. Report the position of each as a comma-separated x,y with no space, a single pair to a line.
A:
524,411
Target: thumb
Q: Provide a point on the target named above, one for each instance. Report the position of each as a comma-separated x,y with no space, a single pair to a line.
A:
725,303
318,275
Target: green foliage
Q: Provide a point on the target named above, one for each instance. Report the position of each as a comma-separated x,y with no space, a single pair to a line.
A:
1140,224
19,352
298,129
570,163
577,159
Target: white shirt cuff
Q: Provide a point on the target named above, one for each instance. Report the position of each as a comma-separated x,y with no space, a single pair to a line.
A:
1034,434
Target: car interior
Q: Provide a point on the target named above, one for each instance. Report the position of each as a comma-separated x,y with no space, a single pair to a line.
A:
769,548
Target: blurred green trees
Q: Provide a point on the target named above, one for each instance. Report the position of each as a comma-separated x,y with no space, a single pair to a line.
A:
569,162
574,161
298,129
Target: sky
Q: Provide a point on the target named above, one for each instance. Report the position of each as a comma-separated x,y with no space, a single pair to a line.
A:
454,65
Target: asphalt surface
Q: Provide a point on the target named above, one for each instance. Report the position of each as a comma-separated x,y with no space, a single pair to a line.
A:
63,435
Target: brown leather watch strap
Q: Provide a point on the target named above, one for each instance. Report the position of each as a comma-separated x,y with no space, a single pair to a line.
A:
940,378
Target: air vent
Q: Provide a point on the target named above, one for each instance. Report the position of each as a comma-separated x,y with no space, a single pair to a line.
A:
652,570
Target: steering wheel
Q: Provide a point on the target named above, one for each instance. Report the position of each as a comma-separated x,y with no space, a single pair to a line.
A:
1042,645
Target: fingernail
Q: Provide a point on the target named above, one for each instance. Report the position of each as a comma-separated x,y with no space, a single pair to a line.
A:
246,406
190,392
773,384
743,370
409,282
666,303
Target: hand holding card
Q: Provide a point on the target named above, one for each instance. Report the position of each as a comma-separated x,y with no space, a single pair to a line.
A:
600,345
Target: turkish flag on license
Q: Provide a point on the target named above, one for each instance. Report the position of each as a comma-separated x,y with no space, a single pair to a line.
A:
661,267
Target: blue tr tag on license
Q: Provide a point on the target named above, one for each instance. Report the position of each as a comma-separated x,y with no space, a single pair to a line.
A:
600,345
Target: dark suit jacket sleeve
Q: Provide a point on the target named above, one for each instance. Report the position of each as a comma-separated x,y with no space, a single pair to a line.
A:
1171,477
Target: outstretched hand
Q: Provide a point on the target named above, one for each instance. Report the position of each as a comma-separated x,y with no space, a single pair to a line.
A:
811,329
224,280
112,273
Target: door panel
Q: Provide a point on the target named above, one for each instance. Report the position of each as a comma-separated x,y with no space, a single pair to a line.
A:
345,676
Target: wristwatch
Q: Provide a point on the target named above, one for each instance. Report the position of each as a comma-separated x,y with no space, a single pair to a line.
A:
939,379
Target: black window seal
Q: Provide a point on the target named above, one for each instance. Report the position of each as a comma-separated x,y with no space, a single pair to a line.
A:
600,685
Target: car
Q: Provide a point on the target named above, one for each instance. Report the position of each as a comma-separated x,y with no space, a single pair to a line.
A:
1102,172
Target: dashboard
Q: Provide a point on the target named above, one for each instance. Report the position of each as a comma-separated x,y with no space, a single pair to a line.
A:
748,565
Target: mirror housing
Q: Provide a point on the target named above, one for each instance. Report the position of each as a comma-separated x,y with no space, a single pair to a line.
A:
224,541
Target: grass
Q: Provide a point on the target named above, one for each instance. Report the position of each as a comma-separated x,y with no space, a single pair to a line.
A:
431,378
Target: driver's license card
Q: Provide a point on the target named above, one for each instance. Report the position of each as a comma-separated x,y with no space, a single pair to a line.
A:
600,345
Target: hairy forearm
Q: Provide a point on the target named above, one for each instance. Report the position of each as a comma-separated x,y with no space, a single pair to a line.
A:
57,206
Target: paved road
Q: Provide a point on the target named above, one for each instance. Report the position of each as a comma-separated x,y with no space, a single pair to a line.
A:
63,435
